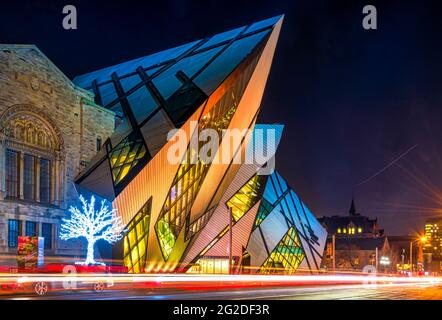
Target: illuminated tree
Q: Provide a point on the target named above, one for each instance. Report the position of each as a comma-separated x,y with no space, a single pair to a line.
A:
93,225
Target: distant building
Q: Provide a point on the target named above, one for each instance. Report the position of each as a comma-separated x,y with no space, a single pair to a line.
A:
356,253
357,238
432,249
433,235
353,225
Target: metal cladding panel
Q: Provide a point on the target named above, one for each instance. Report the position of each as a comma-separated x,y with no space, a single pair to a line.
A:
312,234
257,249
304,266
281,181
228,178
154,180
270,193
216,224
247,108
243,118
220,217
273,228
155,131
259,149
124,68
221,37
317,235
264,23
306,248
240,235
100,180
227,61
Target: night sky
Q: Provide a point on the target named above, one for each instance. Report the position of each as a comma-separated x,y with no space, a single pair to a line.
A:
352,100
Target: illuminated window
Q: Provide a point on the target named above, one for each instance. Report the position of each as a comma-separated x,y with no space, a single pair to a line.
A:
246,197
339,230
190,175
264,210
210,265
359,230
14,227
136,240
286,257
344,231
126,155
199,223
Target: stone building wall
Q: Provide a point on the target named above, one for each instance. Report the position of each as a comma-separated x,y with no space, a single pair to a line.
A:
43,114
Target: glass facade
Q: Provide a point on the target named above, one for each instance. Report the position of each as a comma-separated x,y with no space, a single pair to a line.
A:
210,265
283,215
246,197
175,82
136,240
189,179
125,156
191,173
160,92
264,209
286,257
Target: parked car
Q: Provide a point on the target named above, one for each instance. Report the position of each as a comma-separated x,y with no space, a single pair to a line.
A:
60,277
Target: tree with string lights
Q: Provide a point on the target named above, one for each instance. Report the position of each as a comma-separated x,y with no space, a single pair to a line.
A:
92,225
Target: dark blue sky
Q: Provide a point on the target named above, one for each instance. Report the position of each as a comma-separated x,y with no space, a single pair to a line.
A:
352,100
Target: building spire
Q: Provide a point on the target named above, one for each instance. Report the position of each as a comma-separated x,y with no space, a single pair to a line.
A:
352,210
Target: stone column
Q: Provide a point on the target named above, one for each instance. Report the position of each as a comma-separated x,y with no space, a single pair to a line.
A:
63,187
57,181
2,169
52,182
21,169
37,179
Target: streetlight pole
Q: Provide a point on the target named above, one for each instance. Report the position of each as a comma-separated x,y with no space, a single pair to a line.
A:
334,252
411,257
376,259
230,240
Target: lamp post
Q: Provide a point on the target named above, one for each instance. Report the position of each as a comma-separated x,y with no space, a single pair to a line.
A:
334,252
230,241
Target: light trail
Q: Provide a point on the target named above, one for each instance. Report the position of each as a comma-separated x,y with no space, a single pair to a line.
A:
216,279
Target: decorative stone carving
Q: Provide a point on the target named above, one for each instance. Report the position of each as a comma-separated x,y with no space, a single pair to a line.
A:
29,125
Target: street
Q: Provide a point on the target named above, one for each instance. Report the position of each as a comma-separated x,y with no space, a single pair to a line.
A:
410,291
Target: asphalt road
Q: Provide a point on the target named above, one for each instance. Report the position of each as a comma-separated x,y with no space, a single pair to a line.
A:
318,292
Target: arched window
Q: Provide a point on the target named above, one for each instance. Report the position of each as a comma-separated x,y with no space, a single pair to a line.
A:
32,147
